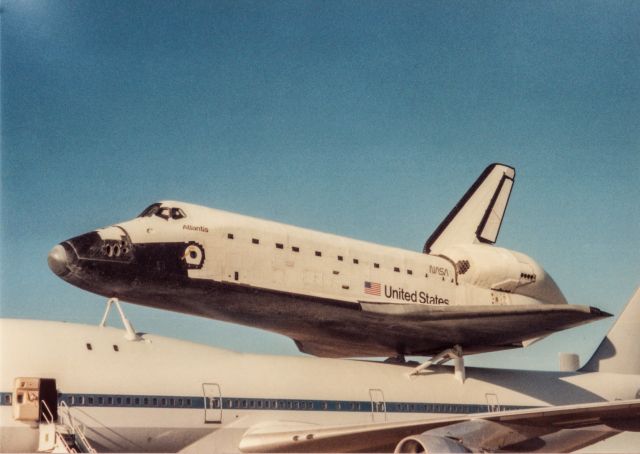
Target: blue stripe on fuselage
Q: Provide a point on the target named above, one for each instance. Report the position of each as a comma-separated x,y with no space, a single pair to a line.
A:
254,403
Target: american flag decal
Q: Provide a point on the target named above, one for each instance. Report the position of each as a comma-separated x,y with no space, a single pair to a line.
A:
372,288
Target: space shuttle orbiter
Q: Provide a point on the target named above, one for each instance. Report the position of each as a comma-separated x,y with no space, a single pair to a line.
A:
334,296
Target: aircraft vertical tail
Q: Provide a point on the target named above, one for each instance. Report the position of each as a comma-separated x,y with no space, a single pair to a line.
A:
477,217
618,352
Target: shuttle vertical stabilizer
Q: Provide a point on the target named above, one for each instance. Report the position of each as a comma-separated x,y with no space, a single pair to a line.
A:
477,217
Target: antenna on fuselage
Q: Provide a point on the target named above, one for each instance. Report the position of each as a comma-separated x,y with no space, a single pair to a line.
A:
128,327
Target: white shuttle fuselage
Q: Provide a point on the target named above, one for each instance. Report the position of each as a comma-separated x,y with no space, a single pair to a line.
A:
334,296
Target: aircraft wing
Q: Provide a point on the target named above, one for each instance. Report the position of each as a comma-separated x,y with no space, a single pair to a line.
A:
482,431
427,330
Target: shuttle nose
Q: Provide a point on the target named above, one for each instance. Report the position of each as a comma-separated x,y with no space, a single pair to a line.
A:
58,260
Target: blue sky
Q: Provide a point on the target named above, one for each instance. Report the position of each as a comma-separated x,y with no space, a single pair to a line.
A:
366,119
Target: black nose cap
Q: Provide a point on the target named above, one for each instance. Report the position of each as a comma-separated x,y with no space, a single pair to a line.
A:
58,260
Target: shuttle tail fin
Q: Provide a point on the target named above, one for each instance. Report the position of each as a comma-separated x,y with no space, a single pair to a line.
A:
618,352
477,217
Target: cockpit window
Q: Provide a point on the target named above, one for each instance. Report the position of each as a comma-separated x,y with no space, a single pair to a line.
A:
150,210
163,212
177,213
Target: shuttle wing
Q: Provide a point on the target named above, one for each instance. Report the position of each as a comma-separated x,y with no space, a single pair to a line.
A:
388,329
485,431
477,217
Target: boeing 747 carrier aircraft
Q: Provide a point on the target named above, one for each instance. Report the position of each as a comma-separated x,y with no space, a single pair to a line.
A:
67,387
334,296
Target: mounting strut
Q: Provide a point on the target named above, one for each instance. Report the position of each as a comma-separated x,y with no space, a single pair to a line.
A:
454,353
128,327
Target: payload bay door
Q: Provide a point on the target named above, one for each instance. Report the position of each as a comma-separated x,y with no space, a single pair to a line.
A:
212,403
378,405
